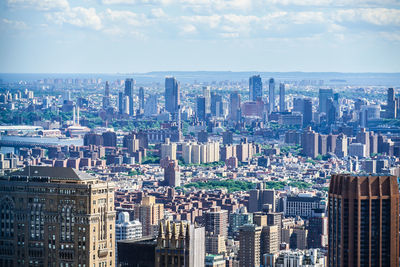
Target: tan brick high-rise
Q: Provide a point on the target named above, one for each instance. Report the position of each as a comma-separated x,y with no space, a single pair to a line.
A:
363,221
53,216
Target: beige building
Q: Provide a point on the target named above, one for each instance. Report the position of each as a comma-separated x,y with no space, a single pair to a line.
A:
168,149
54,216
149,213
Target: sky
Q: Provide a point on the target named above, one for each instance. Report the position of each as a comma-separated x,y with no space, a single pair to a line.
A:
127,36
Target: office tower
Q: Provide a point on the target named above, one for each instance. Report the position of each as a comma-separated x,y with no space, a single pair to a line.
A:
137,252
363,137
141,98
317,229
172,98
309,143
330,112
363,221
201,108
53,216
282,103
207,96
171,172
129,87
215,244
270,239
234,107
106,97
180,244
255,88
127,106
149,213
120,103
391,109
341,145
126,229
238,218
275,218
216,221
307,112
260,197
271,95
249,247
216,104
324,95
151,106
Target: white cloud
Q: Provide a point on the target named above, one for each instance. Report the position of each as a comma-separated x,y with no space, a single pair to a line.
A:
376,16
77,16
126,17
15,24
158,13
189,29
43,5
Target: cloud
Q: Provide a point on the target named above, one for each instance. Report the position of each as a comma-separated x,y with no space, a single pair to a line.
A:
126,17
77,16
43,5
375,16
14,24
189,29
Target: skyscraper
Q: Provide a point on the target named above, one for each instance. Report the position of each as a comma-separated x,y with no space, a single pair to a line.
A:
201,108
307,112
207,96
324,95
106,97
255,88
180,244
172,100
234,107
141,98
171,172
216,104
271,95
309,143
363,221
282,104
149,213
57,217
391,110
216,221
129,87
120,102
249,250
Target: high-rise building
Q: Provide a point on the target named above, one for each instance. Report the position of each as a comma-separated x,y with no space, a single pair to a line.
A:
171,172
54,216
234,107
391,109
129,87
141,98
172,97
317,229
309,143
180,244
106,97
307,112
120,102
201,108
255,88
271,95
149,213
216,221
249,245
207,96
238,218
324,95
126,229
363,221
270,239
282,103
216,104
151,106
260,197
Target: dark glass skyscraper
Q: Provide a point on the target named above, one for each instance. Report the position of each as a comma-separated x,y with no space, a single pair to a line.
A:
255,88
141,98
271,95
363,224
324,95
234,106
282,106
129,86
201,108
172,100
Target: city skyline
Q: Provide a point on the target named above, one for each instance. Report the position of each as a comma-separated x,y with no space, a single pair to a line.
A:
112,36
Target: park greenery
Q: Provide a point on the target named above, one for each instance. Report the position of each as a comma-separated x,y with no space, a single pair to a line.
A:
230,185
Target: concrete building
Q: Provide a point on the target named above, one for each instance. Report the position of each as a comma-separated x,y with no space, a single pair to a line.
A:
249,240
149,213
126,229
60,216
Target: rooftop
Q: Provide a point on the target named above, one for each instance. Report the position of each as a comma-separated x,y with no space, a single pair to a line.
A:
52,173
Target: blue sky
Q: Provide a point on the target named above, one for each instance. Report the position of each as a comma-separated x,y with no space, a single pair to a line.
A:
110,36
